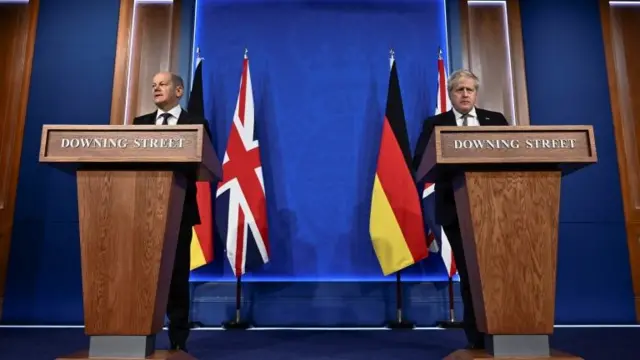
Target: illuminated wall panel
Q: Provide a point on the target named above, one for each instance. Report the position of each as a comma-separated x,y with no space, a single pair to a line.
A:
147,43
492,49
18,28
620,25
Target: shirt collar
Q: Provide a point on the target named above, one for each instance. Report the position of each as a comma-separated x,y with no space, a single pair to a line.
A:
175,112
471,113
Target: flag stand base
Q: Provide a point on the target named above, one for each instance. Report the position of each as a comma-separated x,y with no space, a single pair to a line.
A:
449,324
399,323
237,324
196,324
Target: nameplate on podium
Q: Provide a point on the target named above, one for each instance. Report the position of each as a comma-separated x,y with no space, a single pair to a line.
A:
140,143
565,147
127,144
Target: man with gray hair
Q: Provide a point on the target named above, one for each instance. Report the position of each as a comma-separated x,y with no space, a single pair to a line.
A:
168,89
463,88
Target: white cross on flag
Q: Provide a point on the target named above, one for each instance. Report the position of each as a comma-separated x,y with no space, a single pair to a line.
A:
241,211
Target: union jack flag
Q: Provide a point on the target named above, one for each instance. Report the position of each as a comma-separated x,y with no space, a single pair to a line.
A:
436,237
241,212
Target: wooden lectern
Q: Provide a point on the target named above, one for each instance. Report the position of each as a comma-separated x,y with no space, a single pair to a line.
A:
130,198
507,191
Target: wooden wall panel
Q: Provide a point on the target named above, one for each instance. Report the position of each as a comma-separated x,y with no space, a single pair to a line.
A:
148,36
18,29
620,26
492,49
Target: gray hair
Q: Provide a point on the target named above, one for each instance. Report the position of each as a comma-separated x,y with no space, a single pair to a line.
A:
177,80
455,78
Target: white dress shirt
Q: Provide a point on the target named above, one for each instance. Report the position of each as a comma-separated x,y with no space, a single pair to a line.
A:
472,117
173,119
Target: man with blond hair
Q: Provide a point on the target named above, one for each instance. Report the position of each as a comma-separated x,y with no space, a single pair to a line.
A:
463,88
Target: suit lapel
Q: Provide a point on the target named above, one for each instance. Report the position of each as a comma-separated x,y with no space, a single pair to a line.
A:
449,119
151,118
184,118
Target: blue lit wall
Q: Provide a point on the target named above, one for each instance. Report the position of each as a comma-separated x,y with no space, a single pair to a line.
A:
320,74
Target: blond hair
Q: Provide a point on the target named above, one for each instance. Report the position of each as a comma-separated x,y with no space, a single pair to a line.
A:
458,75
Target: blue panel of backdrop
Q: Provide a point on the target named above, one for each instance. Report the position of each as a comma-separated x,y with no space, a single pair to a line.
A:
71,83
320,75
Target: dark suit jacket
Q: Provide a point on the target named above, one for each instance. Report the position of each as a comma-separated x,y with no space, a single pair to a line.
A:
445,201
190,214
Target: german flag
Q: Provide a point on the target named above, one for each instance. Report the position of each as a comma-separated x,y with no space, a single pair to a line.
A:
395,223
202,240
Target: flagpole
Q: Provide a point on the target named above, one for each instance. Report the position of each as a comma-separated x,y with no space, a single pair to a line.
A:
198,111
451,323
237,323
399,323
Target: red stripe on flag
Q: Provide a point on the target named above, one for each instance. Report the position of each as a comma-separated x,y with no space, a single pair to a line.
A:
242,99
400,189
442,96
204,230
240,242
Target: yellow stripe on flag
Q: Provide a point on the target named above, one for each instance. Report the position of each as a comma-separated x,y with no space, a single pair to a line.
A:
197,255
388,241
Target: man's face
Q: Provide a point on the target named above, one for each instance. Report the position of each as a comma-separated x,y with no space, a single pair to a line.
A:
463,96
165,92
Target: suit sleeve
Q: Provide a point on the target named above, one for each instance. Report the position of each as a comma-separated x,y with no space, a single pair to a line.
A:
423,141
502,120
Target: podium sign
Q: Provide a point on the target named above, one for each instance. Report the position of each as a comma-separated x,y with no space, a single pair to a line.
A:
126,144
507,190
131,188
564,148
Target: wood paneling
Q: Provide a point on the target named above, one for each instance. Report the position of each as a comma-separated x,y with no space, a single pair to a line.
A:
620,26
148,35
18,29
492,49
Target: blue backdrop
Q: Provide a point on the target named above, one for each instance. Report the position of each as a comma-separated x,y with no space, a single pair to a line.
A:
320,74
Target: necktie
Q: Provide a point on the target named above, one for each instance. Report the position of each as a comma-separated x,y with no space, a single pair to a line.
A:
464,119
165,118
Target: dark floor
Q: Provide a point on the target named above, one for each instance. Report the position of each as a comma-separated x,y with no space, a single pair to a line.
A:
590,344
